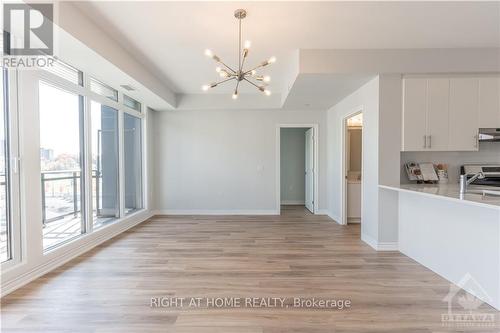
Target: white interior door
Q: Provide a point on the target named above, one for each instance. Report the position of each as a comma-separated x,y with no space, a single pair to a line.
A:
309,170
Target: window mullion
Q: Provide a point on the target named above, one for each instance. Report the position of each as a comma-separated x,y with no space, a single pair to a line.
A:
121,154
88,161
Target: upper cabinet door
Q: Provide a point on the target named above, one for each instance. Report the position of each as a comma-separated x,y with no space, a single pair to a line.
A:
437,113
489,102
464,114
414,114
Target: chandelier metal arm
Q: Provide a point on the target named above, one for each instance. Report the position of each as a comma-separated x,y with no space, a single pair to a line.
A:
251,70
240,65
260,88
237,85
232,70
223,81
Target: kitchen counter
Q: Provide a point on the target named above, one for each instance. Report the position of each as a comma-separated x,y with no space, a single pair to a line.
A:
451,192
456,237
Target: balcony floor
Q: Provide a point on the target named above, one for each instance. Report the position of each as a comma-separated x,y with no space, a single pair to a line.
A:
67,228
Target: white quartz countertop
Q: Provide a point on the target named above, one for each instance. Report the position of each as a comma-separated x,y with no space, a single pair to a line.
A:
451,192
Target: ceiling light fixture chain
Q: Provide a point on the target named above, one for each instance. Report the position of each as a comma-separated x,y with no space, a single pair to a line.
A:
240,74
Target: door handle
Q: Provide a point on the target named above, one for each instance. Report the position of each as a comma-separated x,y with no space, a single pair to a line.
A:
15,165
430,141
425,141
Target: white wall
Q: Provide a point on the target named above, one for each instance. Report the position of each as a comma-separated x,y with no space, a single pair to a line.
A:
389,141
380,101
293,152
224,161
150,159
364,99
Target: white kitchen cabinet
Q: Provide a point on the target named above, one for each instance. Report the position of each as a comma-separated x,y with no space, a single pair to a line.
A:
437,114
414,114
425,114
444,113
464,114
489,102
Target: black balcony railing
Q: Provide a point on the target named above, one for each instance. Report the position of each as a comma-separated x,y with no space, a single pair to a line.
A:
67,196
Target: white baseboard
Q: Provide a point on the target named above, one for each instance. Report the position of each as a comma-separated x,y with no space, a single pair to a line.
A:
353,220
387,246
224,212
334,217
214,212
369,240
293,202
379,246
86,245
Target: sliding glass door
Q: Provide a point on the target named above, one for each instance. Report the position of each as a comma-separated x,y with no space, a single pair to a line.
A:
61,161
105,180
132,151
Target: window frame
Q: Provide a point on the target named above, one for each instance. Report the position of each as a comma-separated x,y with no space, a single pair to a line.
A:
27,233
14,190
89,158
125,96
89,96
142,166
87,83
29,254
83,158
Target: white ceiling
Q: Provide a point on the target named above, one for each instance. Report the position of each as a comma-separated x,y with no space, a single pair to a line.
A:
169,37
321,91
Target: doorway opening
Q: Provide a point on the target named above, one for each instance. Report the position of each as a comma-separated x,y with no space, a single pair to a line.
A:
352,168
297,167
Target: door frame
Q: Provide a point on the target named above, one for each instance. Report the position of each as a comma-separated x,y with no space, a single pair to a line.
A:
343,169
315,128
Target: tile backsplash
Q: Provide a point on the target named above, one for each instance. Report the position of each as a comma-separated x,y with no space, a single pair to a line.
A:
489,153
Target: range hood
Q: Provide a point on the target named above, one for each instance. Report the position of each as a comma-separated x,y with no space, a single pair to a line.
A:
489,134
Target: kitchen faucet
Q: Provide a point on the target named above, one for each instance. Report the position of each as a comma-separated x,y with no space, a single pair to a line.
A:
464,182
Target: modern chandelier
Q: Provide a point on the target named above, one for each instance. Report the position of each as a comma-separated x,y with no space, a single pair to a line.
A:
240,74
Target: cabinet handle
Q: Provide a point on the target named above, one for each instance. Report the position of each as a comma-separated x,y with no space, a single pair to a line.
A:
430,141
425,141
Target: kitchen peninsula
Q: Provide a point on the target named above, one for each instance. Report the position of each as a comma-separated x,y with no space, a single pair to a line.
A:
439,229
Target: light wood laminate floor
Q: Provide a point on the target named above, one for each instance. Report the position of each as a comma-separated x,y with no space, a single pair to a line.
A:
109,289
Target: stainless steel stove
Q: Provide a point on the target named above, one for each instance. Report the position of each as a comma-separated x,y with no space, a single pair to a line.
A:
491,173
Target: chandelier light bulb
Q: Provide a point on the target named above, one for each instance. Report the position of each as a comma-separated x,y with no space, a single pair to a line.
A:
223,73
205,87
267,78
209,53
218,69
272,60
235,95
247,44
267,92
